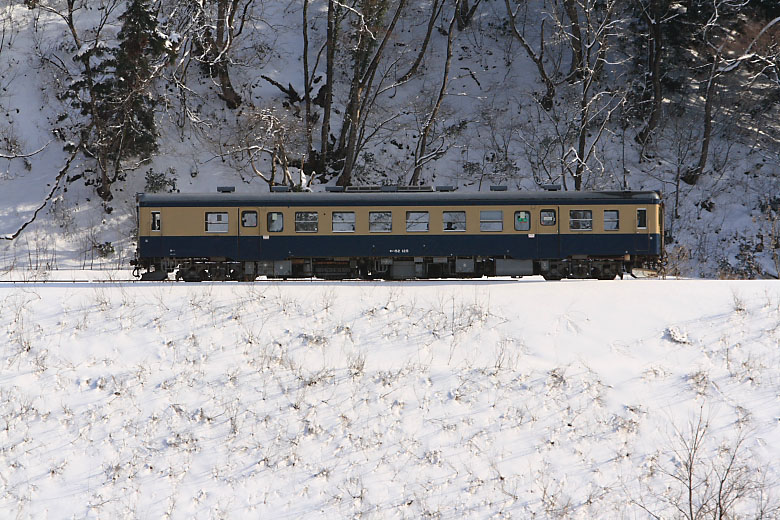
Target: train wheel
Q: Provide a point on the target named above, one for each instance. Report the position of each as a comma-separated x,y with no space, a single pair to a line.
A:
188,275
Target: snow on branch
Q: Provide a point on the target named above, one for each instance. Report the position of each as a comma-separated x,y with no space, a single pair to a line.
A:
23,155
748,54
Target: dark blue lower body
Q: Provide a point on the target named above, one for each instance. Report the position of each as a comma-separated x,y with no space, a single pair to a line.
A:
312,246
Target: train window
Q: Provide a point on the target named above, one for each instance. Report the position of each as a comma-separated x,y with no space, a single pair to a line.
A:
156,222
216,222
417,221
641,218
611,219
491,220
522,220
306,221
547,217
380,221
249,218
343,221
454,220
581,219
275,222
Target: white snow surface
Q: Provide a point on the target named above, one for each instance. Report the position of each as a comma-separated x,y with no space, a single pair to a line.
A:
449,399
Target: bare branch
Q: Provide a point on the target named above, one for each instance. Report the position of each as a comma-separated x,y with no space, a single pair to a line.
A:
54,187
24,155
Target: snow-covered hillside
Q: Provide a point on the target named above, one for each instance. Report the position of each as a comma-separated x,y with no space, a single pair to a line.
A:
477,399
489,129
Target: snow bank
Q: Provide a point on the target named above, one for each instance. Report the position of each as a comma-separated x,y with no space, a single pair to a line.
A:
409,399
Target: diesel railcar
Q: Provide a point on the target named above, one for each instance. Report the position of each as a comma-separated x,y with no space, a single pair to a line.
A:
395,234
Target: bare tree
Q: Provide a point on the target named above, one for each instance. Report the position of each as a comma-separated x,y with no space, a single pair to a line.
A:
266,140
653,12
464,13
88,49
716,44
538,58
371,75
706,478
367,58
575,38
420,156
571,135
306,81
217,44
55,186
327,89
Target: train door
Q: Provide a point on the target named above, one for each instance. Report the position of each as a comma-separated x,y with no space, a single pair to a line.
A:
641,231
547,237
524,241
248,234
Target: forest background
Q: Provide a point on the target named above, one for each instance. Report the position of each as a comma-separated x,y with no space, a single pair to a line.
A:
103,99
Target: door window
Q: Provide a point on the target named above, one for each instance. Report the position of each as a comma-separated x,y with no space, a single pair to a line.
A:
156,221
641,218
249,218
275,222
522,220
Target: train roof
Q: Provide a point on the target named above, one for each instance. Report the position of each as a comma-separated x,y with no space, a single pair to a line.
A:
396,199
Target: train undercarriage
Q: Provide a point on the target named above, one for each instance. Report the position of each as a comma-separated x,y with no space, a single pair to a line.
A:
390,268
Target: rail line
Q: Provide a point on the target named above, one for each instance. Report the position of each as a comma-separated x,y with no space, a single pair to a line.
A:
491,280
14,282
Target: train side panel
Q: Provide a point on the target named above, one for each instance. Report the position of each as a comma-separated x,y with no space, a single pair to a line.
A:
615,230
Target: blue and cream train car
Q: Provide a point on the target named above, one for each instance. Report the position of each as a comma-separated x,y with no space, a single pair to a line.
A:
398,235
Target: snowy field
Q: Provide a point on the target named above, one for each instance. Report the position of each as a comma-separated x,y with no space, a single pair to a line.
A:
474,399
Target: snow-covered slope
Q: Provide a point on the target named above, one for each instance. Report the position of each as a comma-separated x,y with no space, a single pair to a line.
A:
477,399
490,130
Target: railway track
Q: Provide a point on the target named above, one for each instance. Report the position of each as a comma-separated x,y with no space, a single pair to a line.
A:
86,281
75,281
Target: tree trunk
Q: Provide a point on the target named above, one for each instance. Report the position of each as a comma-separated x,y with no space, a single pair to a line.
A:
538,59
464,13
225,18
306,88
361,85
656,46
329,64
435,10
352,117
419,154
576,42
693,176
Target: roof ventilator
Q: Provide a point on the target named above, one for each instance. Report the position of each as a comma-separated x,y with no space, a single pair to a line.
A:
551,187
498,188
388,188
226,189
